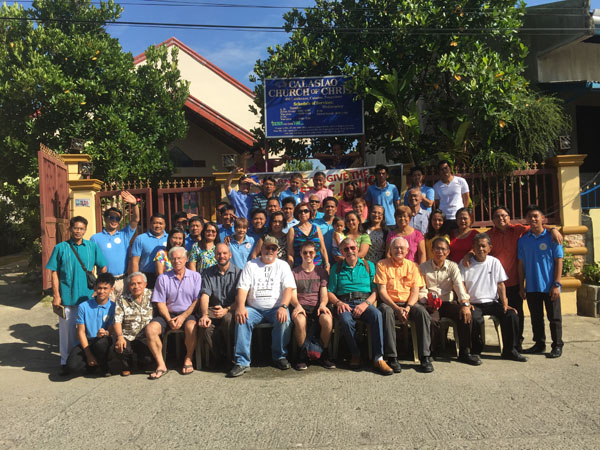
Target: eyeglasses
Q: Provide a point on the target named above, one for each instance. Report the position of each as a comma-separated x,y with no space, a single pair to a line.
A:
440,249
303,211
181,222
314,201
210,231
347,249
114,218
308,253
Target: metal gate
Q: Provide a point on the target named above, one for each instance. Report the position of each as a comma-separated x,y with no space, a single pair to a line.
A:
54,205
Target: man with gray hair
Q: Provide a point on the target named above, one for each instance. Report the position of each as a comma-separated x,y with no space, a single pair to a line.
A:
419,219
484,280
176,295
133,312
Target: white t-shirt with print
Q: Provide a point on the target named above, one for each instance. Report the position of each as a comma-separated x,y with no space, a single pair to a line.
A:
265,283
482,278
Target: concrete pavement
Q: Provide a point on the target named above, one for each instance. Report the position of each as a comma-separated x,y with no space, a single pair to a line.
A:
539,404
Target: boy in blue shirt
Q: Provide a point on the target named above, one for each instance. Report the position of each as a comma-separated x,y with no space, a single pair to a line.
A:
540,264
94,320
241,244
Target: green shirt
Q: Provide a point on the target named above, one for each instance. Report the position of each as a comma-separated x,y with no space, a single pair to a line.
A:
355,279
72,279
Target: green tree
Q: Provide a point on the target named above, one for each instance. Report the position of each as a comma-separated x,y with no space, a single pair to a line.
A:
62,76
436,76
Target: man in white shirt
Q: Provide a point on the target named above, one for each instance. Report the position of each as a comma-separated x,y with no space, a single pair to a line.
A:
484,279
263,295
451,192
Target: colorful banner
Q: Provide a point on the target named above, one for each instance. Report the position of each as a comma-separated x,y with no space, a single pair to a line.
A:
335,179
311,107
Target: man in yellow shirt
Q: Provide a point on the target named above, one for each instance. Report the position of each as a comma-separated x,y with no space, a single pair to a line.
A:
398,283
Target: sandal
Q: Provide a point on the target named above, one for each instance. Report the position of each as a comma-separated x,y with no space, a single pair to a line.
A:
158,373
187,367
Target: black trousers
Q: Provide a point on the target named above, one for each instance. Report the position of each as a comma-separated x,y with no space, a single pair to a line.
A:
515,301
419,315
451,310
219,337
509,323
77,362
536,302
134,351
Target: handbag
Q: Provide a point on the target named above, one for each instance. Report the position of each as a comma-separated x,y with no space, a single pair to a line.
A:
90,277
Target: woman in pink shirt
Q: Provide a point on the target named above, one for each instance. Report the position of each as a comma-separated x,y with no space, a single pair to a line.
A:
416,241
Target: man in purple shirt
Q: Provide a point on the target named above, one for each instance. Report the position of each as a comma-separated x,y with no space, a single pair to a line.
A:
176,294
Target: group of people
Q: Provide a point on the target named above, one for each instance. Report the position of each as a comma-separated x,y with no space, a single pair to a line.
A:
307,263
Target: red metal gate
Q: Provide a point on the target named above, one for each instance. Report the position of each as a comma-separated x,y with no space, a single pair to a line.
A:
54,205
194,197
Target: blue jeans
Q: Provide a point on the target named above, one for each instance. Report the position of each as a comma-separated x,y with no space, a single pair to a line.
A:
280,335
371,316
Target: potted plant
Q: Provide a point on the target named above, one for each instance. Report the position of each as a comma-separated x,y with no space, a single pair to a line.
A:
588,295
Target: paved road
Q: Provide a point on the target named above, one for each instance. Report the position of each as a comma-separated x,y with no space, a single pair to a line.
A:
540,404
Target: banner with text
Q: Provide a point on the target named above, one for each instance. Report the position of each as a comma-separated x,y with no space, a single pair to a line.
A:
311,107
335,179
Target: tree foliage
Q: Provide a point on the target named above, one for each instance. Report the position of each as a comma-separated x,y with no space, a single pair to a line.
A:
436,76
62,76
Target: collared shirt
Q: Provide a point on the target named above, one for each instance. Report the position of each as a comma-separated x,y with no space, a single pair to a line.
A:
177,294
260,201
114,247
327,232
420,221
450,195
538,254
504,247
95,316
445,282
225,232
71,277
351,279
298,196
240,251
146,246
427,191
221,287
386,197
289,225
321,193
133,316
398,279
241,202
319,215
189,243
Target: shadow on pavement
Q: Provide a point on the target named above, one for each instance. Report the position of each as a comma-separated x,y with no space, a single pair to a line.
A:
37,351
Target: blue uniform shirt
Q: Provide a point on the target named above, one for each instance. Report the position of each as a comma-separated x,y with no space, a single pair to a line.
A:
114,248
224,232
429,193
95,316
386,197
241,202
72,278
327,231
298,196
146,246
538,254
241,252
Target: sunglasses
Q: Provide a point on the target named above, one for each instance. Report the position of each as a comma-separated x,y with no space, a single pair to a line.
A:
308,253
303,211
271,248
114,218
314,201
181,222
347,249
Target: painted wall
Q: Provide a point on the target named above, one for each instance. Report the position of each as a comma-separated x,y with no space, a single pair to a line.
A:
576,62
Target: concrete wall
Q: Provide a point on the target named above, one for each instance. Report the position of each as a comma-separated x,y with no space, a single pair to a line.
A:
579,61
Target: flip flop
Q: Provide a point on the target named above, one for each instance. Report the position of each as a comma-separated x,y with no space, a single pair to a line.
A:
187,366
159,373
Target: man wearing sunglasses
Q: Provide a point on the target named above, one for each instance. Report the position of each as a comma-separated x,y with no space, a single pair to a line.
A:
352,293
264,293
114,242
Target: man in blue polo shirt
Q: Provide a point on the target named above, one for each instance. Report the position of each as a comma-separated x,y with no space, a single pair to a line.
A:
94,321
69,281
352,293
242,198
296,182
146,246
540,264
114,242
226,228
384,194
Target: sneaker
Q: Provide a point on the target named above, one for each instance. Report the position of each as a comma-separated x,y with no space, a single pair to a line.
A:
327,363
301,366
237,371
382,367
282,364
395,365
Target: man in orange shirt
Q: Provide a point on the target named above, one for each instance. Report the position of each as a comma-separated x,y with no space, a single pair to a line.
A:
398,283
504,237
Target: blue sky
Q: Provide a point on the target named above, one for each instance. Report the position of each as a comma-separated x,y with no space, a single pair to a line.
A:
233,51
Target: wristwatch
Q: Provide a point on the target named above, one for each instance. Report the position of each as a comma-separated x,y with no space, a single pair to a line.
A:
557,284
284,306
465,304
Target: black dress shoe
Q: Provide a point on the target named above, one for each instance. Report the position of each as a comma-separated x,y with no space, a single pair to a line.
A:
514,356
64,370
537,348
395,365
426,365
468,358
556,352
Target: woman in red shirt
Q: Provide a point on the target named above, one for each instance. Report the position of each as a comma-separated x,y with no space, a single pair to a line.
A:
462,238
